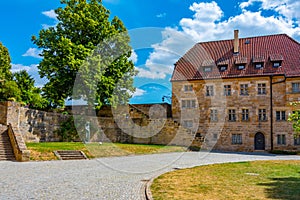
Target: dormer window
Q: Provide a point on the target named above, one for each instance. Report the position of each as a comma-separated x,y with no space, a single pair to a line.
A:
208,65
258,61
241,67
276,64
223,68
259,65
276,59
223,64
241,62
207,69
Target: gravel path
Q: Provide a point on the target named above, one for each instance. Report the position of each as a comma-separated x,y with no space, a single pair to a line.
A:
105,178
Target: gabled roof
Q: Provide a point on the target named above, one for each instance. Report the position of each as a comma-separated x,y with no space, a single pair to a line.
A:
262,49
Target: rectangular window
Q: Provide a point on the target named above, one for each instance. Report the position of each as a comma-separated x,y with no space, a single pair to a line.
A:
297,140
245,114
262,114
209,90
241,67
231,115
276,64
223,68
214,115
261,89
236,139
259,65
295,87
244,89
281,139
280,116
215,136
227,90
188,103
188,88
207,69
188,123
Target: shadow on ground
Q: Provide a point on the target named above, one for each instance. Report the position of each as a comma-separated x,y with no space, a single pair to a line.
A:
283,188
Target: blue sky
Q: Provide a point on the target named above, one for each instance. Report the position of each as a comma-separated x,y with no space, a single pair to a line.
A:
161,31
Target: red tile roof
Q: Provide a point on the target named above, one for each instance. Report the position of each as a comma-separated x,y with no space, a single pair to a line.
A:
266,49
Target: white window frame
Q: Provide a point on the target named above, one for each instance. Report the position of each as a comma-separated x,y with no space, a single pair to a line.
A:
244,89
213,115
227,90
296,87
236,139
245,115
261,88
188,123
209,90
281,139
188,103
262,115
282,115
188,88
232,115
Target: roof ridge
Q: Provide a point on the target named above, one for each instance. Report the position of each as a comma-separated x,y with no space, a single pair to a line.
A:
259,36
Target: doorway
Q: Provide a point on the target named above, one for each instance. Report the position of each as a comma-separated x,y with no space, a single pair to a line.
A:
259,141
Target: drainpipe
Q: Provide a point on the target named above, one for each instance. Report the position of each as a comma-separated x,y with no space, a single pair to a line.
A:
271,110
271,106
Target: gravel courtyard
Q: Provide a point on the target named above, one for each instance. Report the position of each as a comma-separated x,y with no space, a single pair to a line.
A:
106,178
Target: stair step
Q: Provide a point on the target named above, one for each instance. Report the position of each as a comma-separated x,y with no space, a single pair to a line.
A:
6,150
70,155
7,159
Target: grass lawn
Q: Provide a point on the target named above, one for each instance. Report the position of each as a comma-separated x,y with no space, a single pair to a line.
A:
244,180
44,151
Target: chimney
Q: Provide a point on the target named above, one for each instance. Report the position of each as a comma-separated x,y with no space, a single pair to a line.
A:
236,42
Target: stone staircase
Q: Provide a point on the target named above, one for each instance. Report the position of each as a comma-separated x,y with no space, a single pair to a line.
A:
70,155
6,150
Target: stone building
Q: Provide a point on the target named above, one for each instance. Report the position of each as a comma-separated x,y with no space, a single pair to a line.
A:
236,93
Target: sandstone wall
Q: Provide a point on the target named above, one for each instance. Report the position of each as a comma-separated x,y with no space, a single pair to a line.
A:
220,133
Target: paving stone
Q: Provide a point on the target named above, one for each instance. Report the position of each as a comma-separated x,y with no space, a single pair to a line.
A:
118,178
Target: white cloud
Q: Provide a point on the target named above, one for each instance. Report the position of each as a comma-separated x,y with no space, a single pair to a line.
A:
286,8
161,61
32,71
207,25
139,92
133,57
51,14
33,52
20,67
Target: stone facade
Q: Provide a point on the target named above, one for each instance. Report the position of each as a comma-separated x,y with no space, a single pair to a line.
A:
34,125
238,134
188,125
144,124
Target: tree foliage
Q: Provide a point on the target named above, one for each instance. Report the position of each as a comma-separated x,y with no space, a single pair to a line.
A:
8,88
5,66
294,117
82,26
29,94
25,83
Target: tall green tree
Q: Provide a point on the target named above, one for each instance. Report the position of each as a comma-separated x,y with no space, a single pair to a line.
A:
30,95
84,25
26,84
8,88
5,66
